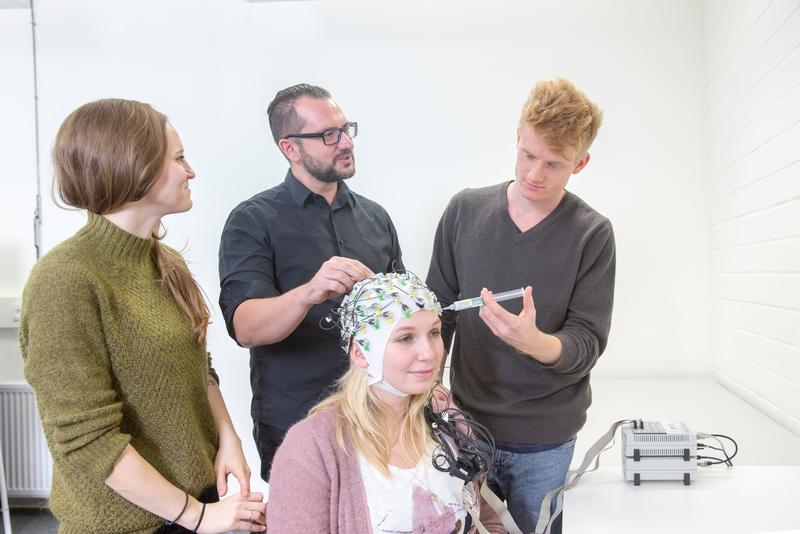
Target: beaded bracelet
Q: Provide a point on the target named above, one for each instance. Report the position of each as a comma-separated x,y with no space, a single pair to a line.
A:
185,504
203,511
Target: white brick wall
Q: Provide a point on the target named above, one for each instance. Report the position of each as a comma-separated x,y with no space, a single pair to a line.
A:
752,91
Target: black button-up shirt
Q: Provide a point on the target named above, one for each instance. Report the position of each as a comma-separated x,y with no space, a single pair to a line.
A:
276,241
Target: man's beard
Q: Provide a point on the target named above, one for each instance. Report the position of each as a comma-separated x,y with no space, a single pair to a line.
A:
328,173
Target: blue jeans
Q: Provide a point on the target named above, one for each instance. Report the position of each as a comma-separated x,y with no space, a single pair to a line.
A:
523,479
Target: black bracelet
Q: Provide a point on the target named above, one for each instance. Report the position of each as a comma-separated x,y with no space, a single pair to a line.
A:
203,511
185,504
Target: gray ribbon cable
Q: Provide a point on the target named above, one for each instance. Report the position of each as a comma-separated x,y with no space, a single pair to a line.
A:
573,477
500,509
497,505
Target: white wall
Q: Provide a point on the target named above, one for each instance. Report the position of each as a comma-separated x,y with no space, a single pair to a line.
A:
753,101
436,88
17,171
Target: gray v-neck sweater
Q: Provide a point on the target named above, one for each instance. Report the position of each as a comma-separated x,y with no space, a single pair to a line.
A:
569,259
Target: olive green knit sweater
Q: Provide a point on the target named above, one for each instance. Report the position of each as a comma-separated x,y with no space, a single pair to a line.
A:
113,361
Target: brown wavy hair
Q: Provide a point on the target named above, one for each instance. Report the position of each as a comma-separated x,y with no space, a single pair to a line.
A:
110,152
563,116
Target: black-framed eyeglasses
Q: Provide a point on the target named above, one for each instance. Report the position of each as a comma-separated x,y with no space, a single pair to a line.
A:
331,136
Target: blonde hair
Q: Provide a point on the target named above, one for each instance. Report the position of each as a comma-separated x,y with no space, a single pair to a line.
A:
362,414
563,116
110,152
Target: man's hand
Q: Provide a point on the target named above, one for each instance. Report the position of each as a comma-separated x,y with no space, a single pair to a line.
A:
520,331
335,278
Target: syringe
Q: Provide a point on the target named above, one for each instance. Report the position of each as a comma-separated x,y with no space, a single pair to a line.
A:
478,301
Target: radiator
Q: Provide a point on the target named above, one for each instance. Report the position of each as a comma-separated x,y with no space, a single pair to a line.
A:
26,459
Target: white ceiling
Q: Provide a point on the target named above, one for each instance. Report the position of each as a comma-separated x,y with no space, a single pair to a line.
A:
14,4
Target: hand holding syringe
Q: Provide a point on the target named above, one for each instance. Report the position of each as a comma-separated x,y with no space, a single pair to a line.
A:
478,301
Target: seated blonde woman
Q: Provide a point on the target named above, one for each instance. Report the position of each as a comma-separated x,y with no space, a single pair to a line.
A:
383,453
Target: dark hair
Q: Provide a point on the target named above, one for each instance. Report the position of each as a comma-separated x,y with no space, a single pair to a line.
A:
283,118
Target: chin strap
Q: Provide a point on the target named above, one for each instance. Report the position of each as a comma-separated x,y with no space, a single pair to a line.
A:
388,388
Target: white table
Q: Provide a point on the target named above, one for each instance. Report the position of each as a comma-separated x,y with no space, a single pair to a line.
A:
746,499
701,403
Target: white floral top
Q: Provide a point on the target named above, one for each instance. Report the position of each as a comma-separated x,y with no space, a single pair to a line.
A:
413,501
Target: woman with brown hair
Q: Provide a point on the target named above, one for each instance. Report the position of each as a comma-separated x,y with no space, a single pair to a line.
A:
113,335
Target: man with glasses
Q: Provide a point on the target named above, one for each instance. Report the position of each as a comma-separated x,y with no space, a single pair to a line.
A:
287,256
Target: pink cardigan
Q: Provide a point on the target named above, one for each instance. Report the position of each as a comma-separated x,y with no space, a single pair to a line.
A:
315,487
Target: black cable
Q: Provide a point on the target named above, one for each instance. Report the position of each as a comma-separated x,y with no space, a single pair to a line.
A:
735,445
719,449
715,462
458,452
